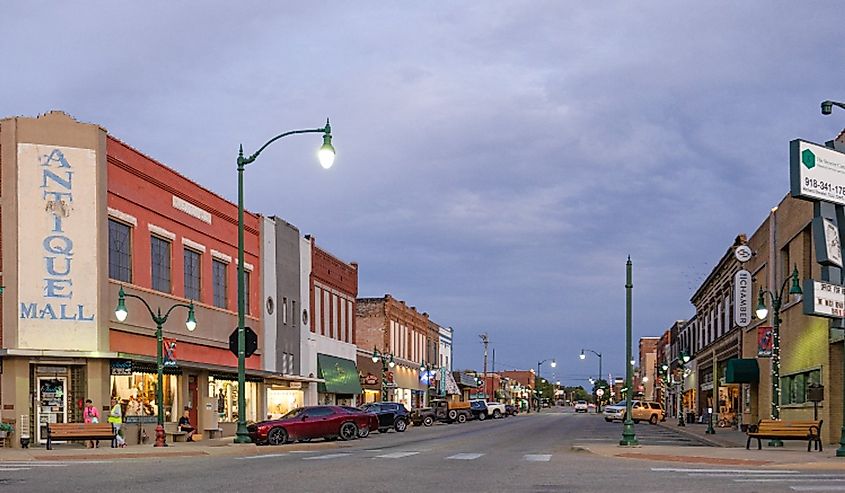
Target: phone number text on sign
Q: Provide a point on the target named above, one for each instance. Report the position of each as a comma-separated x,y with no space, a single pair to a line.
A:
835,192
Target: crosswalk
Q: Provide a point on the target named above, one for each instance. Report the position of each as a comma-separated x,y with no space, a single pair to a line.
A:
771,479
380,454
26,465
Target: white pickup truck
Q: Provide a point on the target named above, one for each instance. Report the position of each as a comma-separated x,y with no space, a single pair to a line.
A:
495,410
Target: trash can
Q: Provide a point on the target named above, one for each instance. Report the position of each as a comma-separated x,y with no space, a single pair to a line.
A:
690,417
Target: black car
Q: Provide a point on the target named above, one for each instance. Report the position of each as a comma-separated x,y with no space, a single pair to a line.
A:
390,415
478,410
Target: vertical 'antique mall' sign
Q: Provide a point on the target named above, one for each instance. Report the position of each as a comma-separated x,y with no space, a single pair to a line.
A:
57,240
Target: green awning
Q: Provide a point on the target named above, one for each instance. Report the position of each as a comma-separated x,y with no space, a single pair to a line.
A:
340,374
742,371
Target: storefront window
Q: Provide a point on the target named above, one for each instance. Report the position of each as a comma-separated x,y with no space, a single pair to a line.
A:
137,393
280,401
226,392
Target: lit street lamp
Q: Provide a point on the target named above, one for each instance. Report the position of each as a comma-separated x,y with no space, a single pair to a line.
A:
386,362
762,311
629,437
191,323
553,364
583,356
683,359
326,156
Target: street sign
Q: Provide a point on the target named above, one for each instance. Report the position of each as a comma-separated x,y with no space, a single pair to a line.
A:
250,342
823,299
743,253
742,298
816,172
826,237
599,392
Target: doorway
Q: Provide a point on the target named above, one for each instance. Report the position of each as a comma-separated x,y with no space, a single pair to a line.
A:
51,405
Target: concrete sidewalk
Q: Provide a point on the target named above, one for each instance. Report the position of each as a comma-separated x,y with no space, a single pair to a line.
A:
724,437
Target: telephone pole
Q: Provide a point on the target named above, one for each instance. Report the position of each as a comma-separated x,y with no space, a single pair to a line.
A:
485,340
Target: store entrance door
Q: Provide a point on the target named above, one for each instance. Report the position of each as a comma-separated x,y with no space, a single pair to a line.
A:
51,406
193,403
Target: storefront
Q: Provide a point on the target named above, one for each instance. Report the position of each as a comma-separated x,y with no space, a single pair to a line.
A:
340,385
134,384
369,374
740,375
408,391
283,397
223,391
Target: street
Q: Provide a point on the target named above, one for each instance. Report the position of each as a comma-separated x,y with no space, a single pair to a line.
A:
526,453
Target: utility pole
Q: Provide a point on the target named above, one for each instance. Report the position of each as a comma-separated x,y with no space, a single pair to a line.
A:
486,341
493,370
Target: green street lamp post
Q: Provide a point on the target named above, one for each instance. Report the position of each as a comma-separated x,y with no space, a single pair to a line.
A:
663,372
537,386
827,108
386,362
762,311
159,319
629,437
326,156
683,359
583,357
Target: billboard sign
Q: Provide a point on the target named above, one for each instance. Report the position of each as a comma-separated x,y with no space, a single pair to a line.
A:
816,172
828,246
742,298
823,299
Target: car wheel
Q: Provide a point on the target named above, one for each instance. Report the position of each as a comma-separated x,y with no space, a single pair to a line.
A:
653,419
400,425
636,421
462,418
348,431
428,421
497,414
453,415
277,436
363,432
482,416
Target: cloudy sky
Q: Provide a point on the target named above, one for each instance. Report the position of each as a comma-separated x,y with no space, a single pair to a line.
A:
497,161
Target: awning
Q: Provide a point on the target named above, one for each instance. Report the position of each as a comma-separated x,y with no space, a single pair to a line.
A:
741,370
340,375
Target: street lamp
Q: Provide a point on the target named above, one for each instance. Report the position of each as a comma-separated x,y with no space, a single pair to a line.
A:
583,356
827,106
662,373
762,311
683,359
191,323
326,157
386,362
629,437
553,364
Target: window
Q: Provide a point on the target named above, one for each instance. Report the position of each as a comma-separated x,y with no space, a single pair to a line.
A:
246,291
793,388
160,249
284,311
120,256
218,279
192,274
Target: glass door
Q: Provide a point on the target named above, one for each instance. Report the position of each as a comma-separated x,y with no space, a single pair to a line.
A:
51,405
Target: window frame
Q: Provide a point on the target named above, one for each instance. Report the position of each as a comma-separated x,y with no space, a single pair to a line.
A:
129,228
216,287
153,256
185,252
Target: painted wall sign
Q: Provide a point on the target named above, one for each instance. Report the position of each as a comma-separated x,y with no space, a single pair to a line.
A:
816,172
121,367
828,246
742,298
57,241
823,299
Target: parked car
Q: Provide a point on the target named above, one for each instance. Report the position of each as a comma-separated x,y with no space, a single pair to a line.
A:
364,431
496,410
390,415
451,411
581,407
640,411
306,423
511,409
423,416
478,410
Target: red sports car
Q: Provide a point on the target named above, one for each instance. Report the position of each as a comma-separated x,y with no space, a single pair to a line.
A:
305,423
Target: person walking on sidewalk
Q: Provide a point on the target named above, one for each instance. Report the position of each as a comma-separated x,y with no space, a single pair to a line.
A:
90,414
116,419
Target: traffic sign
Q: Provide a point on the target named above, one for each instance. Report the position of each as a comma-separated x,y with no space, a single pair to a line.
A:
250,342
599,392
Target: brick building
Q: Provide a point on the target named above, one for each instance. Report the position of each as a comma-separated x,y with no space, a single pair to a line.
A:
648,374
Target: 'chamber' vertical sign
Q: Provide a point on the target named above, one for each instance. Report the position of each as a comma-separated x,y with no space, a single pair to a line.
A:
57,240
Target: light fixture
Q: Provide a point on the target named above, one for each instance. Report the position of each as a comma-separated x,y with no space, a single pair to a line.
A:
633,362
554,364
191,322
685,357
120,312
645,379
392,363
583,356
422,366
761,311
795,289
376,355
326,153
664,367
827,107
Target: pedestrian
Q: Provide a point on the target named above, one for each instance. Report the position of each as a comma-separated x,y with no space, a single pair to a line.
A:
185,425
116,419
90,414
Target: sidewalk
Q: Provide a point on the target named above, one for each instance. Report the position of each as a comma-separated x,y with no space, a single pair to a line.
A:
209,447
727,449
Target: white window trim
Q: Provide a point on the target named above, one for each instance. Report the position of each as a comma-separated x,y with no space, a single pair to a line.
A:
193,245
247,266
221,256
159,231
127,218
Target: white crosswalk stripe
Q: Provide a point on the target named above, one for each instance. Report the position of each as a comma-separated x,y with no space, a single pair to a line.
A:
467,456
820,487
264,456
810,481
729,471
324,457
538,457
395,455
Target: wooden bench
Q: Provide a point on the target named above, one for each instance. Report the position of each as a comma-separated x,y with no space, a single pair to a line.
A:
80,431
172,430
786,430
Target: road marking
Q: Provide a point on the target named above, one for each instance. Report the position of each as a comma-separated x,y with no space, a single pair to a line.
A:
8,469
33,464
726,475
265,456
736,471
538,457
373,449
464,456
818,488
302,452
773,480
395,455
327,456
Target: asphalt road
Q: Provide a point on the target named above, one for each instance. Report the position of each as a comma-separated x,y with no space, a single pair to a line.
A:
528,453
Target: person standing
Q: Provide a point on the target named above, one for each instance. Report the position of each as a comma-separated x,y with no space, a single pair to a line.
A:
90,414
116,419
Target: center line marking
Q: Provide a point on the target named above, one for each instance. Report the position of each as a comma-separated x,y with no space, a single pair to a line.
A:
327,456
464,456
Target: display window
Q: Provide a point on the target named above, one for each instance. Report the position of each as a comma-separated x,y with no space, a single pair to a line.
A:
137,393
226,393
371,396
281,400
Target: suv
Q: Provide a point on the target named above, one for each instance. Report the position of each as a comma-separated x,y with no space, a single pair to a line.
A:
640,410
390,415
495,410
581,407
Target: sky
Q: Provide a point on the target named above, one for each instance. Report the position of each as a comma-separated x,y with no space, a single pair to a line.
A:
496,161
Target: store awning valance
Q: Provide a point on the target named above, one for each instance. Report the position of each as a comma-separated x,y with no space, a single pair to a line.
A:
340,375
742,371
